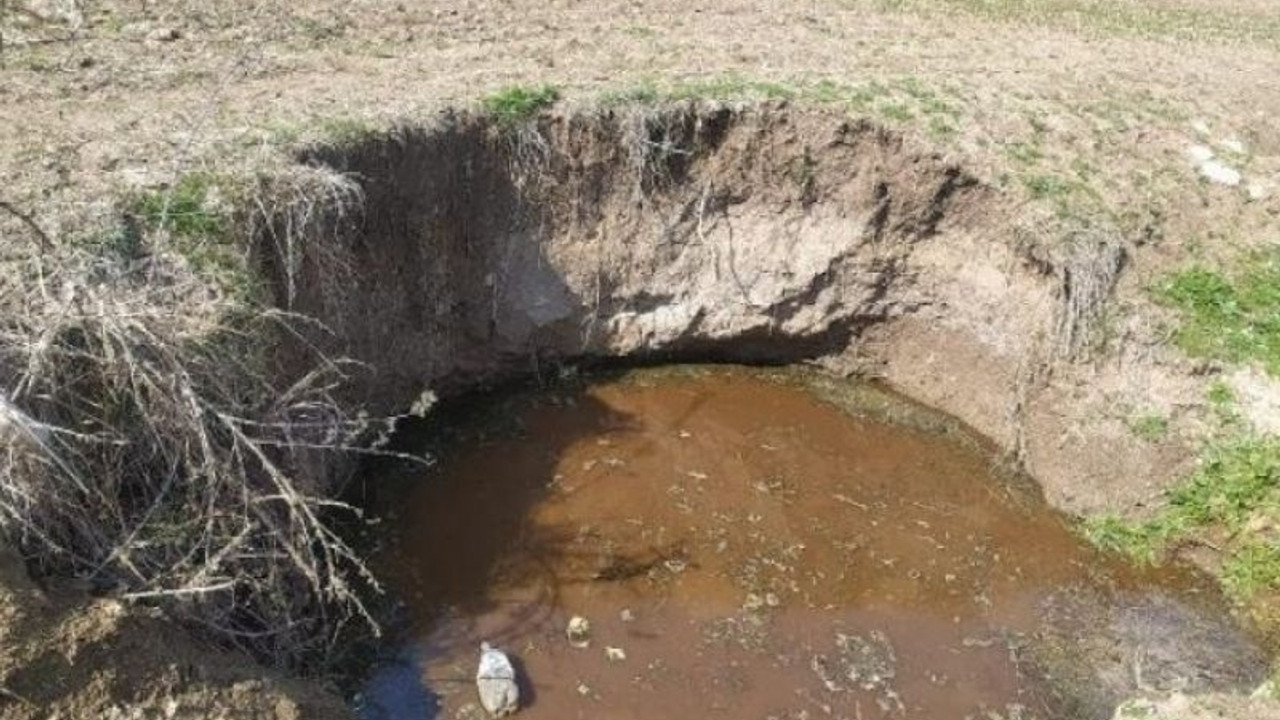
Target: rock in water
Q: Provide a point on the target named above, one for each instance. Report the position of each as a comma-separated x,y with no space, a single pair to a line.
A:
578,632
496,681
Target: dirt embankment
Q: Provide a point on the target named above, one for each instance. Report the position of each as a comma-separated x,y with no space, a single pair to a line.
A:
767,234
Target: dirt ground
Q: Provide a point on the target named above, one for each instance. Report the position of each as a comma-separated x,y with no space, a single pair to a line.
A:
1078,108
65,656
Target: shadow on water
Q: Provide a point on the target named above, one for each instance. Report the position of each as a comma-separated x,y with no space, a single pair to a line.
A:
501,488
395,690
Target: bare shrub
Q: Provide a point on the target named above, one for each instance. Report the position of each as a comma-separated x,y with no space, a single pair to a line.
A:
150,450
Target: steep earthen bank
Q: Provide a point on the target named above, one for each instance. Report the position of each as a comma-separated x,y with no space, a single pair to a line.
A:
759,235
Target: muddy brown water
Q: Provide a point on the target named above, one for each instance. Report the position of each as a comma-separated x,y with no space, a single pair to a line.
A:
755,544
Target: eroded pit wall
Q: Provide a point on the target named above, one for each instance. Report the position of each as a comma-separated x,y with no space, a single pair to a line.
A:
753,235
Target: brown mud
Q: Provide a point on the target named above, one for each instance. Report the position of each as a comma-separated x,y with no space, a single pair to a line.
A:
759,544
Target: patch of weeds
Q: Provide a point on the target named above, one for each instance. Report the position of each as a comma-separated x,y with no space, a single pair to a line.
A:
645,93
38,64
516,104
1231,318
1084,170
119,244
927,101
194,219
1252,569
183,210
730,87
1046,187
1142,542
277,133
860,97
1234,478
1236,481
1149,426
1222,399
894,110
1024,153
317,31
940,128
345,131
639,31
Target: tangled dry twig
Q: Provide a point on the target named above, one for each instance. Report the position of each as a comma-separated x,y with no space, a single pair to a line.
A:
149,449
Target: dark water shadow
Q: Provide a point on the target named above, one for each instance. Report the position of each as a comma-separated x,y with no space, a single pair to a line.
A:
395,690
434,581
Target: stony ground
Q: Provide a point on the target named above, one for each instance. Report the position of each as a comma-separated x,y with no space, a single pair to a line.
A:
1077,108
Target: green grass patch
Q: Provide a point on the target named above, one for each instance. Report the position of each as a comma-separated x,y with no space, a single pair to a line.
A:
193,218
1045,187
183,210
1233,318
1252,569
1234,479
1149,426
646,93
640,31
1024,153
119,244
519,103
896,111
1143,542
345,131
731,87
1237,481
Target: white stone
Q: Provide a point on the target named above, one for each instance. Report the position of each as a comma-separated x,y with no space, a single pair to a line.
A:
1200,153
1259,191
496,682
614,654
578,631
1216,172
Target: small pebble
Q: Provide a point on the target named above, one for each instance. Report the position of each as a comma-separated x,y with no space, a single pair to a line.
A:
578,631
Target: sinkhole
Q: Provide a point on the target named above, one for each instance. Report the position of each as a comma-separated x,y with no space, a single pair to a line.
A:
773,536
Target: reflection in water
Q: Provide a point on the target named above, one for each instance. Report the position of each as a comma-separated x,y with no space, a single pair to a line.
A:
743,548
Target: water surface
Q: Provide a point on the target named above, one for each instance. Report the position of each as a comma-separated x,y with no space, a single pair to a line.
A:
748,544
